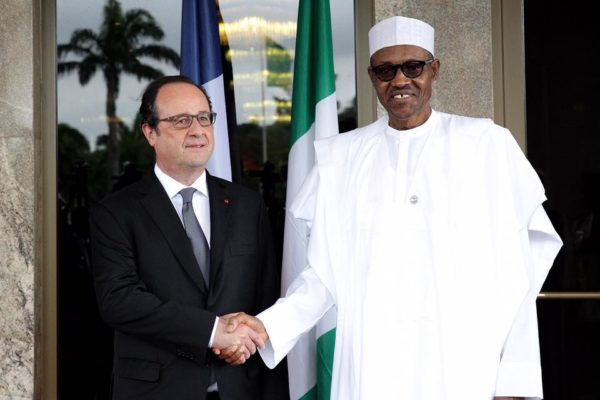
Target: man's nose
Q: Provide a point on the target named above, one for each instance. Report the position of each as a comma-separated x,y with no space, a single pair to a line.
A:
400,78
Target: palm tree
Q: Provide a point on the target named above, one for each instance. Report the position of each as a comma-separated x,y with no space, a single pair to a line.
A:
123,39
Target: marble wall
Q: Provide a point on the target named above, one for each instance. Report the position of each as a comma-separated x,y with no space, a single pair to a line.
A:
17,194
463,43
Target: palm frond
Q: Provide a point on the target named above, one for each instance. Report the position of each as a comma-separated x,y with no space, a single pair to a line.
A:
143,71
84,38
87,69
158,52
82,43
140,24
67,67
62,50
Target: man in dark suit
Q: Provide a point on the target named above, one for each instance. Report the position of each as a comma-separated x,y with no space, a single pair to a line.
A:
149,278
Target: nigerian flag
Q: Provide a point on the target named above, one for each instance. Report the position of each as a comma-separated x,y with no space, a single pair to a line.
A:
314,116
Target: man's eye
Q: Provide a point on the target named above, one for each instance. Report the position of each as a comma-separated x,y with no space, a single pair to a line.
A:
385,70
183,121
203,119
412,66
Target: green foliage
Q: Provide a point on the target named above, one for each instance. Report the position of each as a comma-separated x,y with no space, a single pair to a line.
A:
83,173
73,156
134,148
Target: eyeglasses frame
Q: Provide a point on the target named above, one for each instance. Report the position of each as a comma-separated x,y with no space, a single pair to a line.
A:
400,67
212,116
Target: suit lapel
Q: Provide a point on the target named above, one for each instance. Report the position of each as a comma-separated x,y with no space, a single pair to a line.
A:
159,206
220,203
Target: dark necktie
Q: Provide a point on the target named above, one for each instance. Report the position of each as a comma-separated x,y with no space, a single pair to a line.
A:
195,233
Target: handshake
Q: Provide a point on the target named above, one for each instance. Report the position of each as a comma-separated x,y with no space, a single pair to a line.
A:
237,337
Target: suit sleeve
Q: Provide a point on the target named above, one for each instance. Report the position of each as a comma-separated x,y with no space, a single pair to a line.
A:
127,305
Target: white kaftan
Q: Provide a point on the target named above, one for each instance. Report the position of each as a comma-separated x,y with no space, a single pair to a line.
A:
432,243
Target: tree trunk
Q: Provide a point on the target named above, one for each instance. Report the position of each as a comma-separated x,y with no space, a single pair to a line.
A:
113,126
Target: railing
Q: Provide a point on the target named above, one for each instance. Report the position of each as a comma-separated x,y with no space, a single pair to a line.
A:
568,295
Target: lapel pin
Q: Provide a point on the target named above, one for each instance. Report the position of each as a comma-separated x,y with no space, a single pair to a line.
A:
226,201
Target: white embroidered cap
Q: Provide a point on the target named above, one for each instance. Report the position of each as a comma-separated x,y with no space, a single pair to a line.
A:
401,30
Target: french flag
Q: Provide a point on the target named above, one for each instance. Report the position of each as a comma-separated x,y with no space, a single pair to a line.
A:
201,62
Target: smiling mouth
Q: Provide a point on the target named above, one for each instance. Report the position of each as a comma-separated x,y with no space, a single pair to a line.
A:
195,146
402,96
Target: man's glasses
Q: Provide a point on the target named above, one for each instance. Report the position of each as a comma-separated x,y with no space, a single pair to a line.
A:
184,121
410,69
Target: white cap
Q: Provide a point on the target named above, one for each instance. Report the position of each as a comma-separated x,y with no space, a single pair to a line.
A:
400,30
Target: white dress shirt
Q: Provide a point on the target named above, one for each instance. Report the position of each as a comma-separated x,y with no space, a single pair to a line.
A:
199,201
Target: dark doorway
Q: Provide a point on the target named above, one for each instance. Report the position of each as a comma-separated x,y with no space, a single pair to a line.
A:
563,143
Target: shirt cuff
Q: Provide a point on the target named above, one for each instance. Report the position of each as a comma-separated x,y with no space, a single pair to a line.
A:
272,354
212,335
268,355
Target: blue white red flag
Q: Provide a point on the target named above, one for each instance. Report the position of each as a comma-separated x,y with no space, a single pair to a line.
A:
201,62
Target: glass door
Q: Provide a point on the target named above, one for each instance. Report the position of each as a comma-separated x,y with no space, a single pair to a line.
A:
563,143
101,148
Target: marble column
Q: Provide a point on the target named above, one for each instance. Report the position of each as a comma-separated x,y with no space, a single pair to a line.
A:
17,200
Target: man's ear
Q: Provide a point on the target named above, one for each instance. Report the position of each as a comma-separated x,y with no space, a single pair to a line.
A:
149,133
435,67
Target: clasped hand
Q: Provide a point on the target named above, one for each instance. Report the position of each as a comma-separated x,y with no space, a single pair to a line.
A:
237,337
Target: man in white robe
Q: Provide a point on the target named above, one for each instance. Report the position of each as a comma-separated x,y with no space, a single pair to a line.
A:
429,237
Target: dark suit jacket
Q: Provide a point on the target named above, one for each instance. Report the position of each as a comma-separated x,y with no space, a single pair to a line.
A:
151,291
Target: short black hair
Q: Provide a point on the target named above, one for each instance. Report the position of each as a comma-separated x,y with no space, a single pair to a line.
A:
148,106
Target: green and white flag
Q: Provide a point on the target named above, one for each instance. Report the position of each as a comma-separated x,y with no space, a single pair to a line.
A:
314,116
